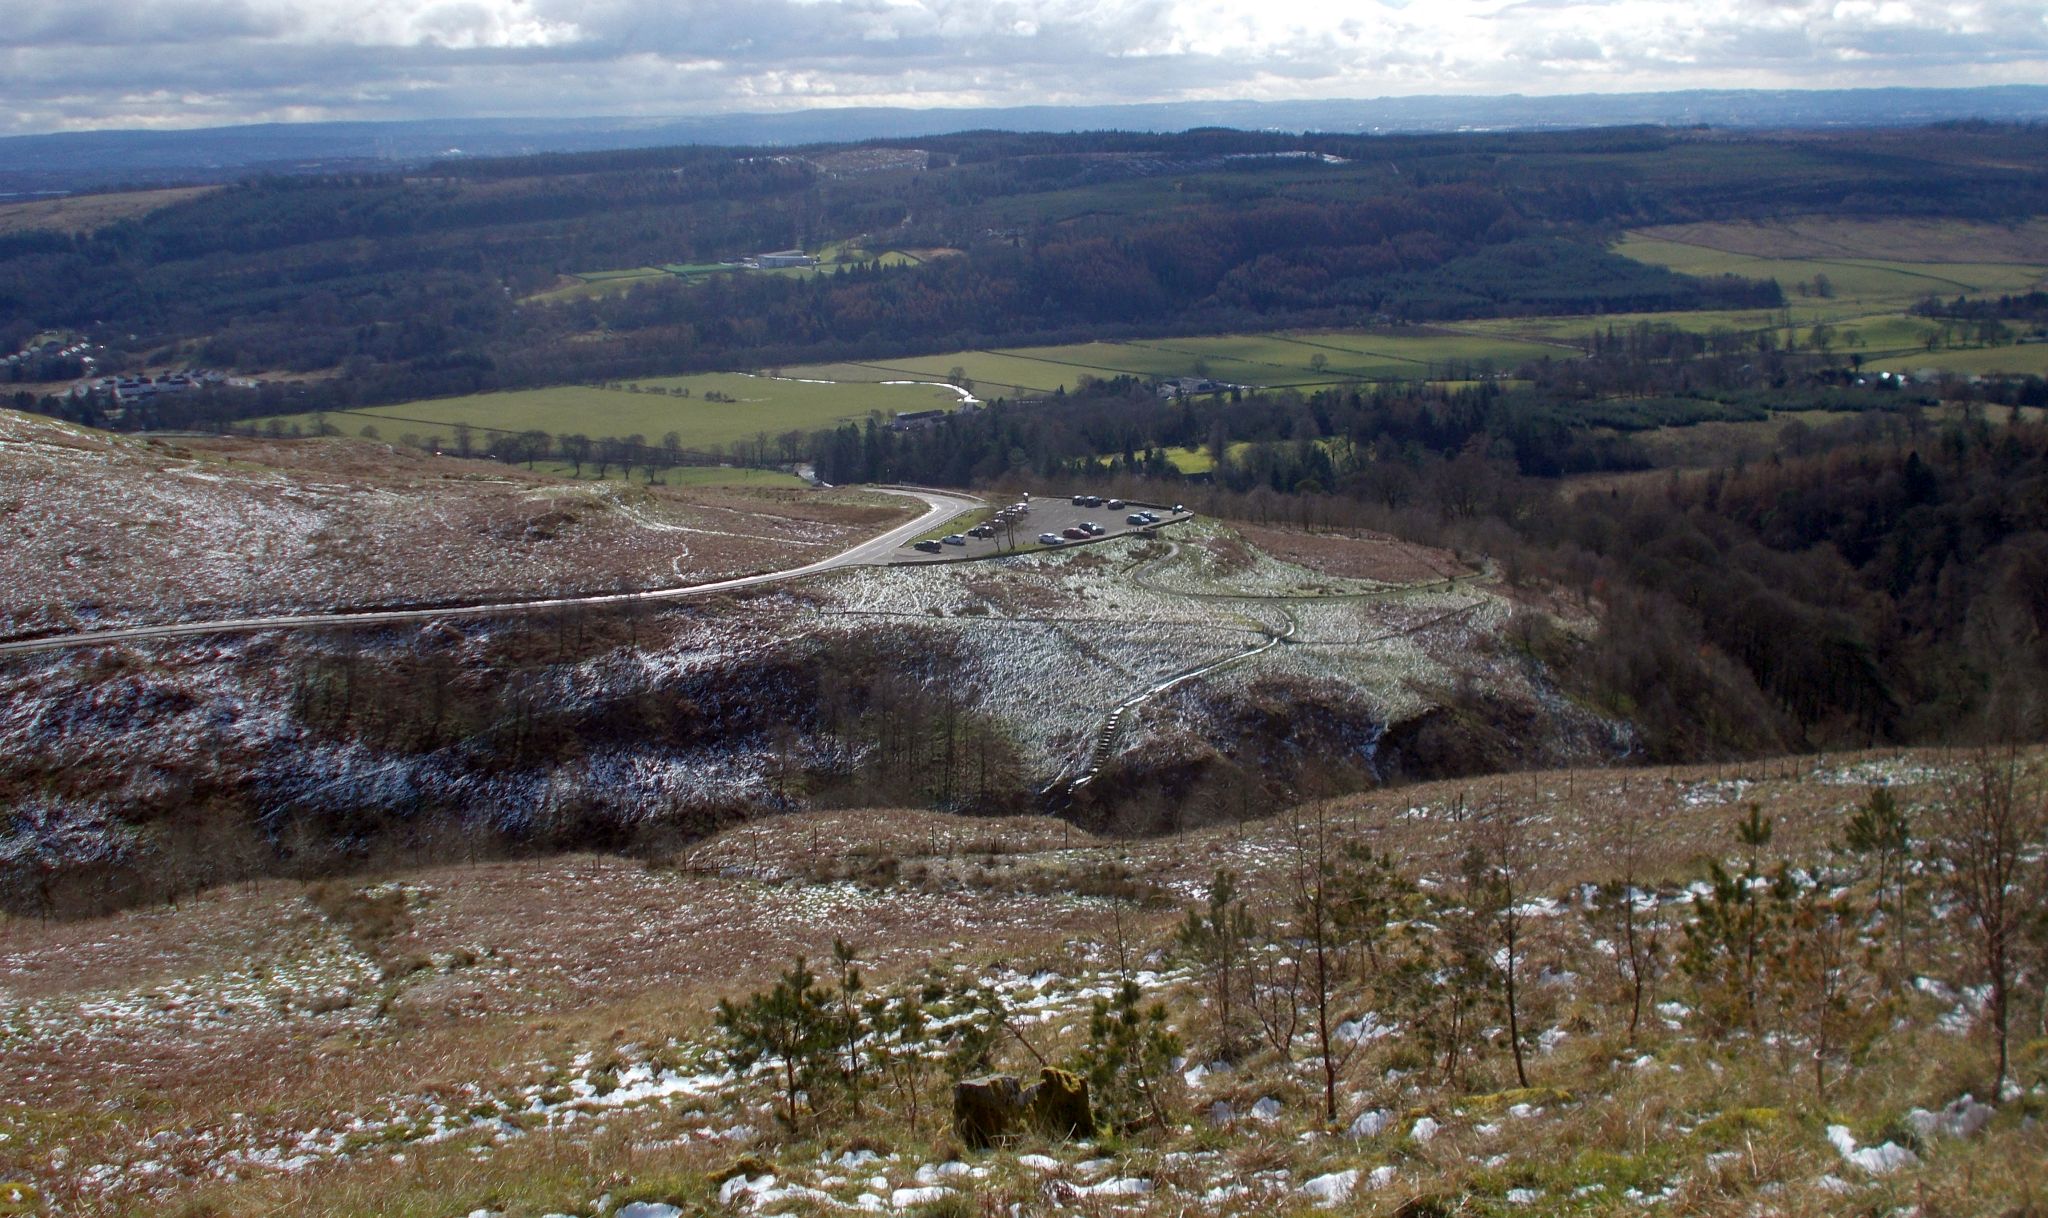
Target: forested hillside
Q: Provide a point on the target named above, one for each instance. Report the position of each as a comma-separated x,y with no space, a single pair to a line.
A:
411,287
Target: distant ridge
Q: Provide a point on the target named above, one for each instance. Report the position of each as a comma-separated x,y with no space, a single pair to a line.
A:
83,160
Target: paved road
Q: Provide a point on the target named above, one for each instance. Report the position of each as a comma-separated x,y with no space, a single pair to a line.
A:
878,551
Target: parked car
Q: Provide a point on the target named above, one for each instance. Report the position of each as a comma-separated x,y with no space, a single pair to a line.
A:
954,539
1178,510
1148,518
1073,533
1048,539
982,530
1078,500
1091,501
1115,505
1135,518
1091,528
929,546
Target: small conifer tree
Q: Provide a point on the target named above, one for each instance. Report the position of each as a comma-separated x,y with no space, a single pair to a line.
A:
792,1026
1128,1058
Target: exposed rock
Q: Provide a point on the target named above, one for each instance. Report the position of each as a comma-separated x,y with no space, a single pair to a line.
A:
997,1107
1959,1120
988,1109
1058,1104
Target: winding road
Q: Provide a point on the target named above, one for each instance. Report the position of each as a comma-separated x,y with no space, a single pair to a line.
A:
876,551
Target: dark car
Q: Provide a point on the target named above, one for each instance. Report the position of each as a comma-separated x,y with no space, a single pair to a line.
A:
1135,518
1091,528
928,545
1073,533
1115,505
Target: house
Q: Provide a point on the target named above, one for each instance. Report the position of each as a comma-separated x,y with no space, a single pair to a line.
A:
784,258
912,420
1176,386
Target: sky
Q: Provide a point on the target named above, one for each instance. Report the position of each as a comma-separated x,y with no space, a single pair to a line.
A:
79,64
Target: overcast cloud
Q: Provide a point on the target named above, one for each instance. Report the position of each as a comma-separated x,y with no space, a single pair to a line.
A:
184,63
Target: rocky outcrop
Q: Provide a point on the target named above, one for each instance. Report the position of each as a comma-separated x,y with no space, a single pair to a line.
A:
998,1107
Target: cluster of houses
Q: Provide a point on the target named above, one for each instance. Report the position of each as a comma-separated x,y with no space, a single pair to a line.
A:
128,389
48,350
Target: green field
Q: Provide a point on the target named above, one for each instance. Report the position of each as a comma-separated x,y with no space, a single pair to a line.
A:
760,407
793,402
1867,310
830,258
1859,284
1271,360
2019,360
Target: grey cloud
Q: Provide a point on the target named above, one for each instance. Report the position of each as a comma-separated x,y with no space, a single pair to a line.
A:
195,62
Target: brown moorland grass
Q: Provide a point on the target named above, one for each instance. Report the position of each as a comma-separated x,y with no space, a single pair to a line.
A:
155,1036
89,213
145,530
1356,555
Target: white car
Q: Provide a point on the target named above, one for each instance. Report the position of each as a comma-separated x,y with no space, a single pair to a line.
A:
1049,539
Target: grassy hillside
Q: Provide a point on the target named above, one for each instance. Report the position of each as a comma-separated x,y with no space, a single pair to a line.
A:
528,1037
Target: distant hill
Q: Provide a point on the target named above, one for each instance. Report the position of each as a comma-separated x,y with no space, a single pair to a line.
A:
86,160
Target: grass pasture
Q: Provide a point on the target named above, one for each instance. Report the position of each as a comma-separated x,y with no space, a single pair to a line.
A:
1859,284
2022,359
1877,270
759,406
1273,360
1896,239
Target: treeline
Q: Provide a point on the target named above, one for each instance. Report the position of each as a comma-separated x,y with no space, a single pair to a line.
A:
1558,417
547,706
1890,587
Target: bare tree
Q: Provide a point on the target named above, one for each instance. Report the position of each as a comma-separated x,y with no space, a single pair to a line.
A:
1218,939
1320,937
1983,831
1618,910
1496,869
1881,832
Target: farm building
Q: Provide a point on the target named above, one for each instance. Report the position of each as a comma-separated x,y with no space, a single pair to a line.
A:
911,420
